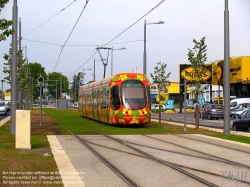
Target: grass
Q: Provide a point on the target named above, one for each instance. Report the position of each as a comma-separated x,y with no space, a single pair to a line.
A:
20,160
70,118
81,125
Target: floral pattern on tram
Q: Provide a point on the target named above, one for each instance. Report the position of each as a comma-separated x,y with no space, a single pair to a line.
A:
127,116
120,99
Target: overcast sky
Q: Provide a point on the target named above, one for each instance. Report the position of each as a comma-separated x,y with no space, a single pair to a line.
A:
102,21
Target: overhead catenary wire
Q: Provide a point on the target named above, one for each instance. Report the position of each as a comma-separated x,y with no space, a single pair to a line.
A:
122,33
80,45
62,46
49,19
83,64
42,42
71,33
134,23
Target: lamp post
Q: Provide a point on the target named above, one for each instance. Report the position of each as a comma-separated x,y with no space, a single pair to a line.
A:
145,53
14,71
226,72
112,58
2,90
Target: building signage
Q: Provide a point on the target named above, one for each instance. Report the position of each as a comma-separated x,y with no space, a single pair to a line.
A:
205,76
186,68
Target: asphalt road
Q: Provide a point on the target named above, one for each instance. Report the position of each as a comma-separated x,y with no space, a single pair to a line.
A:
2,117
179,117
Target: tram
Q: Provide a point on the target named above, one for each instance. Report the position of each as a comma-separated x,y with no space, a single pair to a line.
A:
122,99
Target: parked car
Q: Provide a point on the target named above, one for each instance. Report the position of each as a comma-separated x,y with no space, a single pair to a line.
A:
238,112
243,122
201,109
156,107
35,104
76,105
238,109
235,102
3,108
213,111
8,106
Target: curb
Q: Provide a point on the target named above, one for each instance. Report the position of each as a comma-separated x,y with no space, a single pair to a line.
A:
5,120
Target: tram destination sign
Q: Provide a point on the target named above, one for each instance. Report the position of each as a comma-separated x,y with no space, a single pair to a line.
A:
132,85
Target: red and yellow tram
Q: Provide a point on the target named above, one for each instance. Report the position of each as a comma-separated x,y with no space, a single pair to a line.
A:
120,99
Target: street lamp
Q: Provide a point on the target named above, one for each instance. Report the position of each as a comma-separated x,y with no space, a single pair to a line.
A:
145,53
112,58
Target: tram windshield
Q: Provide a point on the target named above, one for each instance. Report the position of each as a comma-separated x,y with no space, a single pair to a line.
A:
133,95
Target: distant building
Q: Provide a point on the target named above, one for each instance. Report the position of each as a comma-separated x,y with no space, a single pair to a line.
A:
7,96
172,91
208,94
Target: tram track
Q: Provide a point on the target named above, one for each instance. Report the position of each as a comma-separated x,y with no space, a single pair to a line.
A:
188,138
118,172
200,152
161,161
181,121
180,168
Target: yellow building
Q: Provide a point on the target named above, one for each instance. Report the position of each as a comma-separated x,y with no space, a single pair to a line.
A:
239,75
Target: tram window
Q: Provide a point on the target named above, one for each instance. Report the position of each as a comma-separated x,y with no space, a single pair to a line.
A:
114,98
89,97
95,96
133,95
104,99
83,99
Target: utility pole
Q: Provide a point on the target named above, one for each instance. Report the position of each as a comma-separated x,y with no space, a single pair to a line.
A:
226,72
61,86
2,90
14,70
185,106
40,84
75,89
94,70
20,103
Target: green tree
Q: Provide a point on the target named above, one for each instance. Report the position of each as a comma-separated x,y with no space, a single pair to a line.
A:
4,24
73,91
23,83
160,79
197,57
54,83
75,85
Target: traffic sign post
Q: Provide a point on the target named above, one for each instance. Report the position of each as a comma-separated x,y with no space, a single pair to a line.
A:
40,83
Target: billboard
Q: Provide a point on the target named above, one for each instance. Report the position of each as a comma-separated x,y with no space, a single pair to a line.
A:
184,68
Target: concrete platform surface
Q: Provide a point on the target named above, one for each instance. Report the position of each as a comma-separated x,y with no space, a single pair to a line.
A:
211,155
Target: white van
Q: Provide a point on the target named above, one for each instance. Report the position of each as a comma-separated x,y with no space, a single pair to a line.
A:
236,102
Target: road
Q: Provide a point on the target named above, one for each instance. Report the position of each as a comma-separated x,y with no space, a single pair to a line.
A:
179,117
2,117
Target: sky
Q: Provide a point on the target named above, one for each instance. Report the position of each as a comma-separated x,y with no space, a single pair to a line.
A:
63,36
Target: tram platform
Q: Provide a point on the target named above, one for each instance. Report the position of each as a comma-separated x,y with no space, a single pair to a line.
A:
72,156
